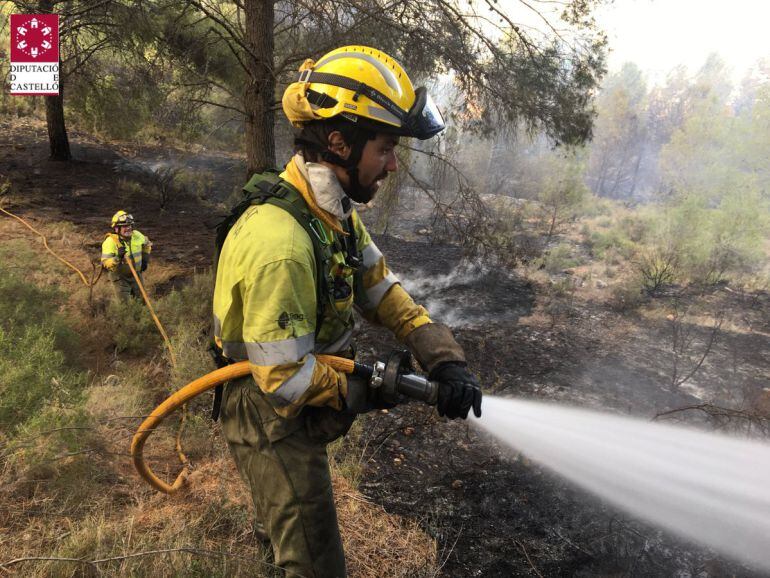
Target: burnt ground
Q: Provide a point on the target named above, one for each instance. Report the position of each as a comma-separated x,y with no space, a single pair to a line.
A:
493,513
87,191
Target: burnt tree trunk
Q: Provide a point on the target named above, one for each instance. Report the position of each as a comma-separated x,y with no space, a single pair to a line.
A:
58,142
260,87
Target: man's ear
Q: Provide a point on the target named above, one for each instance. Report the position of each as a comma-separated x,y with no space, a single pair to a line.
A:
338,146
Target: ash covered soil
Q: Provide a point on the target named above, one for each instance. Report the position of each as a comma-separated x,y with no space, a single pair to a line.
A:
492,511
90,189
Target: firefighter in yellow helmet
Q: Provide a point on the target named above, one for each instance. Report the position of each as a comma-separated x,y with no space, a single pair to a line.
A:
292,263
123,243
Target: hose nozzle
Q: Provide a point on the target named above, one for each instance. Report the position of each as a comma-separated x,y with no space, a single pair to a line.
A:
396,377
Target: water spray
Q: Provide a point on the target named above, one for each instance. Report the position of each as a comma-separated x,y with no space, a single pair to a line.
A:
710,488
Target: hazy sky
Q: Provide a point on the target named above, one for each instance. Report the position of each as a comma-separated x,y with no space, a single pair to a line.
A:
660,34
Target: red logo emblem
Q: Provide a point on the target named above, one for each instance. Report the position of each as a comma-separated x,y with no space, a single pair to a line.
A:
34,37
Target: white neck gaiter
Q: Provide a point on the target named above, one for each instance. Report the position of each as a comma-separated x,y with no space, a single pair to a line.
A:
326,188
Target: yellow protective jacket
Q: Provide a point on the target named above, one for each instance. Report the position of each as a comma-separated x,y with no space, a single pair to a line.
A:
265,302
138,247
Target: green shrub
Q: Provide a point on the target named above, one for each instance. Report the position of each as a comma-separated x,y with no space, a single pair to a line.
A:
560,258
633,228
37,349
594,206
199,184
22,302
34,372
130,187
604,222
711,243
628,296
614,240
132,327
658,266
192,358
49,436
190,304
111,102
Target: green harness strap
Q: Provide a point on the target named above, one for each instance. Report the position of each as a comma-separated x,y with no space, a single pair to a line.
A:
268,187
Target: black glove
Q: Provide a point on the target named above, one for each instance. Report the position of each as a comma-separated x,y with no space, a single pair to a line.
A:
145,261
121,253
458,390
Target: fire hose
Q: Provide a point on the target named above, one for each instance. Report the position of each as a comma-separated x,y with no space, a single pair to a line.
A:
392,379
96,274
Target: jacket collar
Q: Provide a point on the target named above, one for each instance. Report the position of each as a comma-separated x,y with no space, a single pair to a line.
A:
320,188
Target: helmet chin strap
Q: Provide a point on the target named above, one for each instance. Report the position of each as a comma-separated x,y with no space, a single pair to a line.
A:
355,190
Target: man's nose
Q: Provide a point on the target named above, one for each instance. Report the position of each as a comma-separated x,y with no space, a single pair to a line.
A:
392,164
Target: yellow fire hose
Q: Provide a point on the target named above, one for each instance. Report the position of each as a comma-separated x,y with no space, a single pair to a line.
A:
94,276
183,421
138,280
181,397
94,279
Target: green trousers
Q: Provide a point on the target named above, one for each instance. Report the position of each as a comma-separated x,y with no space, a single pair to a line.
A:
285,464
126,287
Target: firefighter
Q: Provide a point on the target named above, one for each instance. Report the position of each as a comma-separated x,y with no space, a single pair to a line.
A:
123,243
292,262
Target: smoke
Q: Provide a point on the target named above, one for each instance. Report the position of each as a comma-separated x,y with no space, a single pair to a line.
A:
464,274
471,295
709,488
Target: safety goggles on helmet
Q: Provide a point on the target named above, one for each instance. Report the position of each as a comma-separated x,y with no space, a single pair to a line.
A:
423,120
124,220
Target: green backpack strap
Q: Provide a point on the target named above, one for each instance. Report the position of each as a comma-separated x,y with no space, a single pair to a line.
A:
270,188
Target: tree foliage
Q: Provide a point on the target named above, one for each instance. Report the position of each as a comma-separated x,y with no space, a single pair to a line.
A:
506,72
562,190
619,148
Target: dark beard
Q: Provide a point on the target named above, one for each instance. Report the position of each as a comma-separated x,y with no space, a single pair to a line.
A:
356,191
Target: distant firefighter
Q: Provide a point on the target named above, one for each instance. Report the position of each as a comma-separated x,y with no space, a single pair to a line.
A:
125,242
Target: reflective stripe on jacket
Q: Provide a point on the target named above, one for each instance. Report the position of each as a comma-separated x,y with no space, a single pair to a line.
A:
265,303
137,247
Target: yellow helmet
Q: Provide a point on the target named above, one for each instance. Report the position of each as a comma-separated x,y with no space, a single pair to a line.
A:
359,82
121,218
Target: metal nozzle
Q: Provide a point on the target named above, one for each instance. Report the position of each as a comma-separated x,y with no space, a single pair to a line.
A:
418,387
394,378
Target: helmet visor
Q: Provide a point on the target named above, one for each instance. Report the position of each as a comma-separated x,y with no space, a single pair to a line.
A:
424,119
123,221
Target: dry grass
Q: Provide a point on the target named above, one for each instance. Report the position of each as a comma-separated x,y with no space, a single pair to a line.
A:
86,513
381,544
